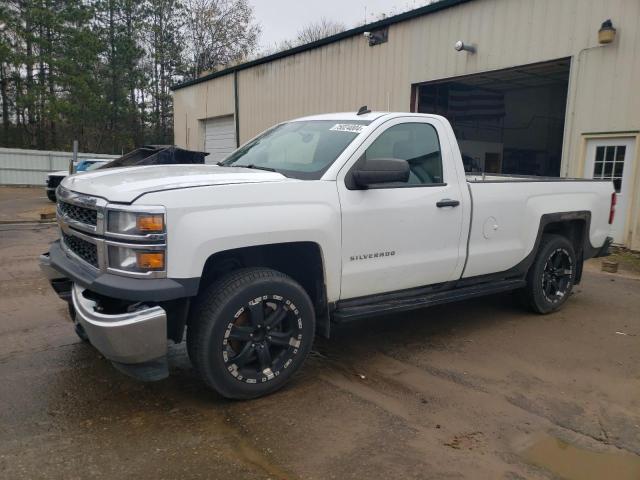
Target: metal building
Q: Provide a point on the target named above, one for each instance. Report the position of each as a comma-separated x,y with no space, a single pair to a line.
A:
542,87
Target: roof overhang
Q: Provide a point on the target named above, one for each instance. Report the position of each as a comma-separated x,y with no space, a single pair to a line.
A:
418,12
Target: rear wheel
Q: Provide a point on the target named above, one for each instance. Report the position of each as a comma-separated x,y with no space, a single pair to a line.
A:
249,332
552,275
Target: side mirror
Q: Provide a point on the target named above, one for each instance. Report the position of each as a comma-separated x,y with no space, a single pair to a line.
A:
381,170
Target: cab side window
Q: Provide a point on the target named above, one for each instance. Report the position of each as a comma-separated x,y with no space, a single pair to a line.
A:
418,144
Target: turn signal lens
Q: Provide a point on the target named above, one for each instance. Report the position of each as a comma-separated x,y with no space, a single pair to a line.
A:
150,260
150,223
124,222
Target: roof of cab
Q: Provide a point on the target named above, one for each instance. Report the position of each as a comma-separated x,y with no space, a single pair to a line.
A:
351,116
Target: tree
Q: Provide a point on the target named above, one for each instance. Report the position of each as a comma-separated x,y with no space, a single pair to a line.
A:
220,32
318,30
164,64
308,34
100,71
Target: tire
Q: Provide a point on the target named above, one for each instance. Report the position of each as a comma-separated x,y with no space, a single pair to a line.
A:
249,332
51,195
552,275
82,335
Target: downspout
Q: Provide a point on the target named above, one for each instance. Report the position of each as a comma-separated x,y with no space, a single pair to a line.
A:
236,109
572,98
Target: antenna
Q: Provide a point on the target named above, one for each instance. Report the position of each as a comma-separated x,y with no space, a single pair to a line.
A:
363,110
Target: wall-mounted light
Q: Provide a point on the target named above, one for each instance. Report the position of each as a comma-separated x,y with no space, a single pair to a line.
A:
607,33
461,46
376,37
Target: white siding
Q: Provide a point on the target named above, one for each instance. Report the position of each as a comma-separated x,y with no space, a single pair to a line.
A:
219,138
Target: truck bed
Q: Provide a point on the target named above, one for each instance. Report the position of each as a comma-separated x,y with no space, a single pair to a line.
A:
506,216
503,177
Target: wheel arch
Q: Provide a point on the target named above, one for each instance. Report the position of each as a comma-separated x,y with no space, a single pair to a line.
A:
301,260
572,225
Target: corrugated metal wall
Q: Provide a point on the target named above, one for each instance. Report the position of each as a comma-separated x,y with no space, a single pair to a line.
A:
603,86
348,74
30,167
191,106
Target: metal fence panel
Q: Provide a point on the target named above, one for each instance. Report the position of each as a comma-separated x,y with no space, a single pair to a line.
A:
30,167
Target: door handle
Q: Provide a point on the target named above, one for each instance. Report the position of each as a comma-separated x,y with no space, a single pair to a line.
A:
447,202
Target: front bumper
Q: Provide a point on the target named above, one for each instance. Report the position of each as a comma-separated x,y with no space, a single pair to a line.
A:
128,338
135,342
116,286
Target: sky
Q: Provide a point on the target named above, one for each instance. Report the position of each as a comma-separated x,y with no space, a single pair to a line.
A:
281,19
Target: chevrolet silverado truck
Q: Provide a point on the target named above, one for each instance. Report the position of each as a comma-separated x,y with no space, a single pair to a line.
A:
316,221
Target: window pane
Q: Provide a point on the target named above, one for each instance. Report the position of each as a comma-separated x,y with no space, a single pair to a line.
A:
597,170
417,143
617,184
620,153
609,154
617,170
608,169
599,154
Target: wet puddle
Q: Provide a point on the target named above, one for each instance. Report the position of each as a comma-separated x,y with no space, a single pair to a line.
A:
572,463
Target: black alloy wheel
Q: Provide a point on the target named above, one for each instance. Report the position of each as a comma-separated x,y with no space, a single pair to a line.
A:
250,331
557,275
262,339
551,276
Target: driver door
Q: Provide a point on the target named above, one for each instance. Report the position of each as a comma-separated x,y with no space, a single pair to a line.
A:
395,236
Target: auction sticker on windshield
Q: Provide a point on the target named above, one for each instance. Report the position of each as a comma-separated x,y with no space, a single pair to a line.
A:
348,127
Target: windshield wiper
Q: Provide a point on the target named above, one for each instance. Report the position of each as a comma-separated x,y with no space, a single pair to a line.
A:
257,167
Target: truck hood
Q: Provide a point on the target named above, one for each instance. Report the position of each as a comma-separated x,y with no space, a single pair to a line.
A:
128,183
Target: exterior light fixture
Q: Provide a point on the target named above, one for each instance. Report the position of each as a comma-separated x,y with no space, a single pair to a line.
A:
376,37
461,46
607,33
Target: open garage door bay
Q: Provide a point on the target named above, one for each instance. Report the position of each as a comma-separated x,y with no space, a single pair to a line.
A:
506,121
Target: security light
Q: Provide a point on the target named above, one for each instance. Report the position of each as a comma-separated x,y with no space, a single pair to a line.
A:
607,33
460,46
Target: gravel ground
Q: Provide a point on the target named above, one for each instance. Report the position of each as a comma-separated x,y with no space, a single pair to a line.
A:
23,204
479,389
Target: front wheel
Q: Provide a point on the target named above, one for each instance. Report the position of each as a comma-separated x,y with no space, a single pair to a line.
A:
249,332
552,275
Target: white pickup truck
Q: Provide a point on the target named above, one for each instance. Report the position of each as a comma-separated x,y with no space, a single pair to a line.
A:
317,220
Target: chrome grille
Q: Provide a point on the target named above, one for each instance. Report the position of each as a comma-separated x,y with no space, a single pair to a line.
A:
87,251
82,220
84,215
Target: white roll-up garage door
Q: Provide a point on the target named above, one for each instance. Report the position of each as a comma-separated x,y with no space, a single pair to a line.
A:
219,138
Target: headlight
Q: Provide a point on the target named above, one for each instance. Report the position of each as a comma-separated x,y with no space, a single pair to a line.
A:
136,260
135,223
136,240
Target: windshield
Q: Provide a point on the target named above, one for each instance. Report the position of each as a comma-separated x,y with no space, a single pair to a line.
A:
94,166
302,150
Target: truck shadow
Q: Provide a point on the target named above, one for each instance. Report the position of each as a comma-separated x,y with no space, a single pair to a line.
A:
434,326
